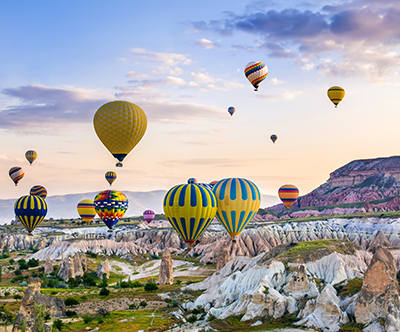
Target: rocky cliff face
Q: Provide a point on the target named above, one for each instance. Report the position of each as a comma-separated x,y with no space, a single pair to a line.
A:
165,274
359,181
54,306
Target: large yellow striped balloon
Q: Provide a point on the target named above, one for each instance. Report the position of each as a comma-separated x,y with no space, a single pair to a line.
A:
336,94
120,125
238,202
190,208
86,210
30,211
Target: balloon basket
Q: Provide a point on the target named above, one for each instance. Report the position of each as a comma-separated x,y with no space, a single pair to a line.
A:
110,231
119,164
29,234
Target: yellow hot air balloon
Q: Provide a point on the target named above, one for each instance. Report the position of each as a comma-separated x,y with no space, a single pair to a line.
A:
120,125
238,202
110,177
336,94
190,208
86,210
31,156
288,194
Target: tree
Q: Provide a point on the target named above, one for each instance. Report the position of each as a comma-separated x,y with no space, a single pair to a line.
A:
150,287
22,325
40,313
1,270
5,317
104,292
105,283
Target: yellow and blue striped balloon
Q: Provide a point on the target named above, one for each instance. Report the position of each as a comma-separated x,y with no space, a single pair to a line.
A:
30,210
190,208
111,177
38,191
238,202
86,210
31,156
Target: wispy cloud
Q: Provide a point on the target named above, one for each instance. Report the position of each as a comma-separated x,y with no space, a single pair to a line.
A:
207,44
169,59
284,94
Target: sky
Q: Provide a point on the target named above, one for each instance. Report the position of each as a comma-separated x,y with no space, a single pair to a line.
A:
183,63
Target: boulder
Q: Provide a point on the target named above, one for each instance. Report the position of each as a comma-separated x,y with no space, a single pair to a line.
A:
165,275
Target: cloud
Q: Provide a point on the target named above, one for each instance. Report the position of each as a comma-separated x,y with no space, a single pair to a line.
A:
207,44
215,162
284,94
39,104
275,81
169,59
137,75
203,78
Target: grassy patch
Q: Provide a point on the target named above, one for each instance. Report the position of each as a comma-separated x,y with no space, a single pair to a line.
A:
352,287
116,267
352,327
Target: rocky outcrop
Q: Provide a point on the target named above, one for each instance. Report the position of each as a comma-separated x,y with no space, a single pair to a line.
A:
165,274
223,258
103,267
380,293
380,240
53,305
78,265
67,269
48,266
299,285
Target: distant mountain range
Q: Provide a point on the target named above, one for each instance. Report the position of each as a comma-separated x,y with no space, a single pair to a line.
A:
64,206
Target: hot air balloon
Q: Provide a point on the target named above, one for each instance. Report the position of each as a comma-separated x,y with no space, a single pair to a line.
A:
120,125
38,191
30,155
30,210
149,215
192,180
238,201
111,206
110,177
86,210
336,94
273,138
189,208
231,110
207,185
288,194
16,174
256,72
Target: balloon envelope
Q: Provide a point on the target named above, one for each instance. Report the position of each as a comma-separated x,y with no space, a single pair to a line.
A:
238,201
16,174
120,125
288,194
273,138
256,72
86,210
231,110
336,94
30,155
190,208
149,215
110,177
111,206
30,211
192,180
38,191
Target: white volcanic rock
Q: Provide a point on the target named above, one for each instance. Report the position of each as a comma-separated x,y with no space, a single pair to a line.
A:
299,285
78,265
324,312
48,266
67,270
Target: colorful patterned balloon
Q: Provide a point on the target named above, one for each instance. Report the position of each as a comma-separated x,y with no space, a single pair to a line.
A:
288,194
30,210
38,191
238,202
110,177
256,72
190,208
30,155
120,125
111,206
149,215
86,210
16,174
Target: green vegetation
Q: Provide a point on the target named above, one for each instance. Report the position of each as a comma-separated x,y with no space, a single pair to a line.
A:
352,287
150,287
352,327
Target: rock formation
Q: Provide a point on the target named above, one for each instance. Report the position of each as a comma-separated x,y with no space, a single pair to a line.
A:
78,265
299,285
165,274
223,258
67,269
380,240
48,266
53,305
103,267
380,293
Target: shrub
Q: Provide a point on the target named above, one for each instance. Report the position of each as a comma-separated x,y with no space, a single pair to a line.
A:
87,319
136,284
18,272
178,282
11,261
143,304
211,318
23,284
70,313
62,284
175,303
33,262
154,256
192,319
58,324
150,287
17,296
47,316
71,301
6,293
133,306
168,301
104,292
53,292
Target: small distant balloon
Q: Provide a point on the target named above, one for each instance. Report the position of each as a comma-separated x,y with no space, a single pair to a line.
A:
288,194
111,177
86,210
274,138
31,156
16,174
256,72
192,180
149,215
336,94
38,191
231,110
30,211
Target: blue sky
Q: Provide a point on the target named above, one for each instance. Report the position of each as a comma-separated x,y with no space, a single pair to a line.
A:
183,63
